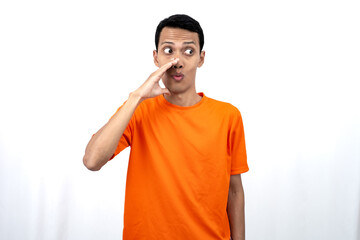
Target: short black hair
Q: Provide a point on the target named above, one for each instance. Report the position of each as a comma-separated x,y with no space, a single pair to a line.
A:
180,21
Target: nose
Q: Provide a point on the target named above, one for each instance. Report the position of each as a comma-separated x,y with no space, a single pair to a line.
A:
177,66
179,63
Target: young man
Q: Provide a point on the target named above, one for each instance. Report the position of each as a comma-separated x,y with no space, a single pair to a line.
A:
187,150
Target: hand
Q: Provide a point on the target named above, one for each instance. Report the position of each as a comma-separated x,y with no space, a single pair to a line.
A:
151,88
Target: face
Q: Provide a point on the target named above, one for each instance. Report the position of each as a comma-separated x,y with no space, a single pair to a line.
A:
182,44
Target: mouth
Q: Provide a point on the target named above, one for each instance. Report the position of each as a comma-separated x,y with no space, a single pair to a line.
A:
178,77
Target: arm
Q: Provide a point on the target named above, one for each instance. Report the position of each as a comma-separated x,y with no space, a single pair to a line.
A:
235,208
103,144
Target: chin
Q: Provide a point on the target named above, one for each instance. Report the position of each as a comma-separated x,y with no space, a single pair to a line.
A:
178,90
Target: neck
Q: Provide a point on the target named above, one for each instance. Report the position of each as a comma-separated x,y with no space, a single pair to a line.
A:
183,100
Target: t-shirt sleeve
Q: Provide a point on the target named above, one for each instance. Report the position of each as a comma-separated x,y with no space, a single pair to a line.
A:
126,138
237,144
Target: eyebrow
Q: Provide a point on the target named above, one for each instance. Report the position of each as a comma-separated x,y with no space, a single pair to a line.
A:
184,43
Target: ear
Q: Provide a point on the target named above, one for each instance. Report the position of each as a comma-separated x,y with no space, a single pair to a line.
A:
202,58
155,55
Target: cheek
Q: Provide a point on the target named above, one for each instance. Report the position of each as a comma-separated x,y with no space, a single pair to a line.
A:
163,60
193,65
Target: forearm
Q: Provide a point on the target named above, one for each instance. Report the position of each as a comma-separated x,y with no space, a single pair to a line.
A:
103,144
236,214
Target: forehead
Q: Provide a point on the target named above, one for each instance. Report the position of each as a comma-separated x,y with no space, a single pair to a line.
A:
169,34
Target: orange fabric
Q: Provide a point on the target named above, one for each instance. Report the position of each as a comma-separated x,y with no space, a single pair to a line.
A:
179,169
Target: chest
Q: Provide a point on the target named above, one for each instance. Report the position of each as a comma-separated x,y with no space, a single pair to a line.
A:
198,133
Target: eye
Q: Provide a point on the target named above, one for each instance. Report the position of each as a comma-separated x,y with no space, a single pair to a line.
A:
189,51
167,50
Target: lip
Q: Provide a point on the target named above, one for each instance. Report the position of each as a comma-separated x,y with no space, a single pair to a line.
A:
177,77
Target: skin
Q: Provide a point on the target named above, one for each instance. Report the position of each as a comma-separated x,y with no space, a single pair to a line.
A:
183,45
178,52
236,208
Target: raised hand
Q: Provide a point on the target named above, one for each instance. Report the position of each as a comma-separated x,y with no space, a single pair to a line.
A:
151,88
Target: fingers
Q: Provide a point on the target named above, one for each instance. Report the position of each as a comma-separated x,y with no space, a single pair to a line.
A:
169,64
166,66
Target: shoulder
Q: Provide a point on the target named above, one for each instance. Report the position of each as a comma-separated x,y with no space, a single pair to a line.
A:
224,107
147,107
149,103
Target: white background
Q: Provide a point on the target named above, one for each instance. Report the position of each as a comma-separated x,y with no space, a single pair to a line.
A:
291,67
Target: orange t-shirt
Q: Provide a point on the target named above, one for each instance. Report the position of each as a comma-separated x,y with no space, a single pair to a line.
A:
179,169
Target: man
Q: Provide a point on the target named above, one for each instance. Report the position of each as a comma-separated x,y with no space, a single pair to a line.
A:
187,150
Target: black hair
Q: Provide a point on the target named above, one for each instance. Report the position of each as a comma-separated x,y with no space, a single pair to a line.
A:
180,21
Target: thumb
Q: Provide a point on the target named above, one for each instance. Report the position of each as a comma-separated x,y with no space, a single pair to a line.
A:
165,91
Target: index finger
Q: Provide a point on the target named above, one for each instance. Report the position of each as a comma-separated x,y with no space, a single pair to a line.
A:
166,66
